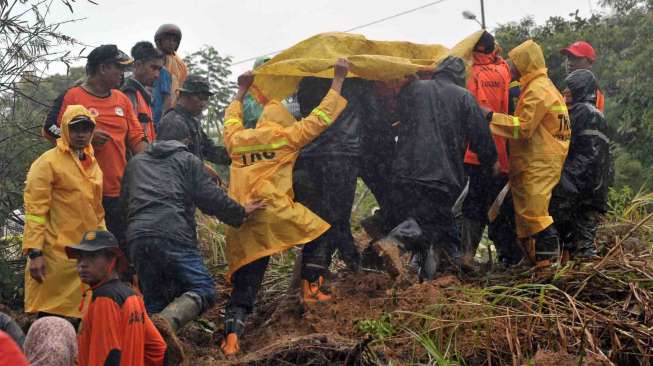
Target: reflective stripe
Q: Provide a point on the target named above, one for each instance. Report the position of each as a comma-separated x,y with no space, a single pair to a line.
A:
595,133
323,116
515,84
559,109
36,219
516,125
233,121
251,148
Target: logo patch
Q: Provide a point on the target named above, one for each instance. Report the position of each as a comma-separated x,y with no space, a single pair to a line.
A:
93,112
90,235
120,112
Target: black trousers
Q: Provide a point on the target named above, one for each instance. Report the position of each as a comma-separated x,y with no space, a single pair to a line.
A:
115,219
432,208
246,283
503,233
326,186
575,221
483,190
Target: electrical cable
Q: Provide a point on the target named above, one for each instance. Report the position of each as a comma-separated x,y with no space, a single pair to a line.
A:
354,28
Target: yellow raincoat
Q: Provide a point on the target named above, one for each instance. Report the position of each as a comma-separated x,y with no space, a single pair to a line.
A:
539,134
62,201
261,168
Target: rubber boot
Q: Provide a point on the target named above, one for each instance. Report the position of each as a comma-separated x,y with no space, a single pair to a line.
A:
182,310
234,325
311,292
547,247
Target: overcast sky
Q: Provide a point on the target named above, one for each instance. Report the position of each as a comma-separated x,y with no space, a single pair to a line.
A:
249,28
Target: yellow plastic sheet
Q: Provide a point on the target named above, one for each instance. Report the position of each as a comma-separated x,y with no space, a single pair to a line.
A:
371,60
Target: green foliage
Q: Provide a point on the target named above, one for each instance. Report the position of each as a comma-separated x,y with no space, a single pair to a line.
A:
621,38
379,329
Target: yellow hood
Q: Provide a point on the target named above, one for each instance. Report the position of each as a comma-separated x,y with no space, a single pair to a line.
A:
275,112
529,60
71,112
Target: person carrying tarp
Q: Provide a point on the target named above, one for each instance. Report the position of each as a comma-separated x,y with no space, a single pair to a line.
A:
582,194
327,169
439,119
538,136
262,168
489,82
63,199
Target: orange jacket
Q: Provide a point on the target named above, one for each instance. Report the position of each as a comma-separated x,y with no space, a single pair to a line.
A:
490,83
600,100
116,328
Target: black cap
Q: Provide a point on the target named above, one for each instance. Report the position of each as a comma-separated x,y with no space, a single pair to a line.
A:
81,119
108,54
92,241
196,84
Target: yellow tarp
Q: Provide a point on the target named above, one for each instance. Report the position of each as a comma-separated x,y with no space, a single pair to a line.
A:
371,60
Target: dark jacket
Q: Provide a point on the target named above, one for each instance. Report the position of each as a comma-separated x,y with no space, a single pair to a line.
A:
201,145
161,189
342,138
438,118
587,172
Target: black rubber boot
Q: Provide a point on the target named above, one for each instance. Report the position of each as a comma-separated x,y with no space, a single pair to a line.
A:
547,247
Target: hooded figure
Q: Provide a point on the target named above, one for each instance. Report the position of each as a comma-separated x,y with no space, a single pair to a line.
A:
63,199
439,120
262,168
51,341
581,196
539,135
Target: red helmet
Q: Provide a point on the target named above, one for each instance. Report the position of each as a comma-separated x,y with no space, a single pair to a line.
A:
580,49
167,29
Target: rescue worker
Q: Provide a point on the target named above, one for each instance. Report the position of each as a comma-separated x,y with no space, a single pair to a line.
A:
489,82
117,127
439,118
167,39
539,135
327,170
63,199
377,151
193,100
262,167
582,194
581,55
116,328
148,62
161,230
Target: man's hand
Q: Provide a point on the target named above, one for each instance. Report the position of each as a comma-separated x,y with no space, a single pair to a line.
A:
100,138
252,206
245,80
37,269
340,70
